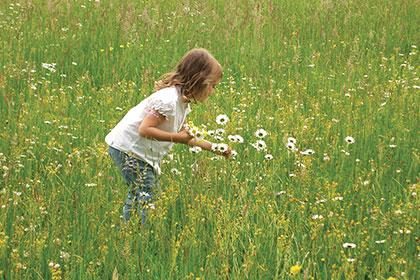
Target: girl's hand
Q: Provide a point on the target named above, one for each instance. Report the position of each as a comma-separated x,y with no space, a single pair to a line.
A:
227,153
223,150
184,137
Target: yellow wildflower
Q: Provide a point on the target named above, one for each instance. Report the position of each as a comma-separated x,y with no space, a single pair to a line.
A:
294,270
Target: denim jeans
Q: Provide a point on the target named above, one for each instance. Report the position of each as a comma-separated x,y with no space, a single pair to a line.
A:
140,178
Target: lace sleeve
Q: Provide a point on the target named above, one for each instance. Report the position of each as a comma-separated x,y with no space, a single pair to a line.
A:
166,109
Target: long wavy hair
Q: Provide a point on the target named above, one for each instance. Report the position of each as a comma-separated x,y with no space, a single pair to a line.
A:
196,70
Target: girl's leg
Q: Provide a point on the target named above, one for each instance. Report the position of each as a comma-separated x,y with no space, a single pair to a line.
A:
144,193
140,178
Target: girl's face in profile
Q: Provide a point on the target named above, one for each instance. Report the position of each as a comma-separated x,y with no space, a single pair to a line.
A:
208,91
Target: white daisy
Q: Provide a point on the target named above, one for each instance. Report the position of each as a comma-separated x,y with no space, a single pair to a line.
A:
349,140
349,245
222,147
308,152
175,171
291,146
236,138
239,139
232,138
261,133
280,193
317,217
192,131
211,132
199,135
268,156
260,145
291,140
49,66
195,149
222,119
220,132
218,138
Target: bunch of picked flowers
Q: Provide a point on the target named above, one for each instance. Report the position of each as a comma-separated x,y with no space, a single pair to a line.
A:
194,131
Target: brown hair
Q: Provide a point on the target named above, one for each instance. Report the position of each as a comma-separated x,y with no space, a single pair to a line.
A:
196,70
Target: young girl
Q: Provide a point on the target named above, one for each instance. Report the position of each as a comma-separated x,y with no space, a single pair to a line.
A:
148,131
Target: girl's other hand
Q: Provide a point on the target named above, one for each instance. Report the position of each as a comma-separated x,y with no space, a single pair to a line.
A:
227,153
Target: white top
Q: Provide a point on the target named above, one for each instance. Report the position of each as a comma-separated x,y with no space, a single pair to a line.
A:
126,138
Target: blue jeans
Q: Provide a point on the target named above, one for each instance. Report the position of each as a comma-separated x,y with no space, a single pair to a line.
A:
140,178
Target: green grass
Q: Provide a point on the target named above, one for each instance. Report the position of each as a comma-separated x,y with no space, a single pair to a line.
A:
314,70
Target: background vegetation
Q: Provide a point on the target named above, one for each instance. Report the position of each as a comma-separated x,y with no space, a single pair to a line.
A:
318,71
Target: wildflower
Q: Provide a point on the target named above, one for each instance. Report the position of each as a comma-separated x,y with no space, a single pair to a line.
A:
261,133
49,66
64,255
349,245
221,148
195,149
236,138
291,146
175,171
317,217
291,140
320,201
211,132
295,269
308,152
280,193
220,132
195,132
268,156
218,138
260,145
232,138
239,139
233,153
222,119
350,260
380,241
349,140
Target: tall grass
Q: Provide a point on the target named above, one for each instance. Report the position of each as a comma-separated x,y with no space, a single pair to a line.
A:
318,71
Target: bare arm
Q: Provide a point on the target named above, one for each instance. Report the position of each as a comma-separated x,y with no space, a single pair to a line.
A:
149,129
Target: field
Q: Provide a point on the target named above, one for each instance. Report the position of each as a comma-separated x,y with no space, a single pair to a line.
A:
339,79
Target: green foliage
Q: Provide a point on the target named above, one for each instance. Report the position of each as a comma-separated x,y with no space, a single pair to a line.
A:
318,71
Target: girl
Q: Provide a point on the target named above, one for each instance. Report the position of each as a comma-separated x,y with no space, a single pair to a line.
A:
148,131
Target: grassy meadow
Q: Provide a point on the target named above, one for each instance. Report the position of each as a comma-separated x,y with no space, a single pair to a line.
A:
339,77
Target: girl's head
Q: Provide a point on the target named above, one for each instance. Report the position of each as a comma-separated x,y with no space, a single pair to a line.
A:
196,74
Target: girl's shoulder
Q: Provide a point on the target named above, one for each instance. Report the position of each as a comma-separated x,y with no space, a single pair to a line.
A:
168,94
164,101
